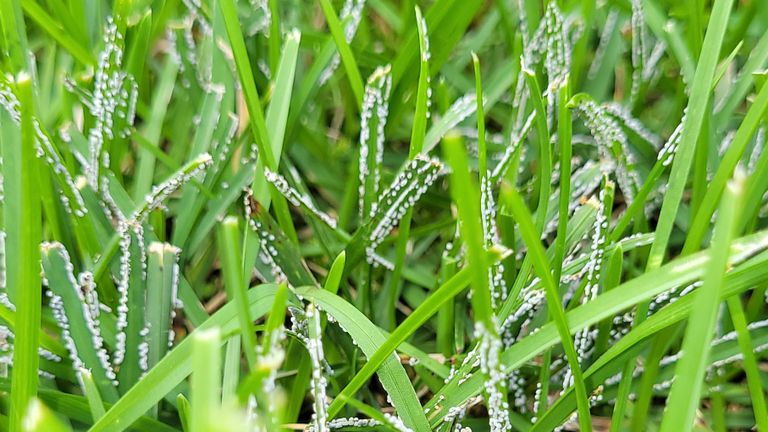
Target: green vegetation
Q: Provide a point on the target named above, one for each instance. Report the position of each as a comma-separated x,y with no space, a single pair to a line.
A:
264,215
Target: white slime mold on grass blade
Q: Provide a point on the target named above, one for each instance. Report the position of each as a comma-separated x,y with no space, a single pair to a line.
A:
161,192
296,198
406,189
113,103
491,233
318,382
351,14
495,386
375,110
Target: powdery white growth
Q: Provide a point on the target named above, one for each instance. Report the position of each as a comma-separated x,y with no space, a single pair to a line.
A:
607,133
375,110
669,149
396,423
406,189
461,108
602,46
351,13
260,17
176,302
296,198
585,338
623,115
669,297
365,424
495,386
267,251
71,199
654,57
131,234
639,50
161,192
736,357
144,351
90,317
557,50
498,285
726,142
196,13
9,101
318,382
757,150
515,141
113,102
530,299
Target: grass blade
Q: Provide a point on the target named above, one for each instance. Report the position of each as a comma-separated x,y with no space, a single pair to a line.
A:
22,211
347,58
689,375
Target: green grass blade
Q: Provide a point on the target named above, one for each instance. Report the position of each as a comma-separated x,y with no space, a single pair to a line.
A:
692,124
51,27
82,322
162,288
751,369
177,365
206,380
429,307
91,391
40,418
347,58
689,375
369,338
482,151
730,159
22,212
541,265
229,249
464,191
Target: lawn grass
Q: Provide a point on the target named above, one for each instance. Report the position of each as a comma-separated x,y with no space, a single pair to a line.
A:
387,215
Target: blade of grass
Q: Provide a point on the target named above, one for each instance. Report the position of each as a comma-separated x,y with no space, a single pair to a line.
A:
61,281
91,392
416,319
679,272
692,123
370,339
229,249
545,147
418,132
347,58
162,94
277,112
737,281
751,369
39,418
464,191
206,379
730,159
482,152
53,29
177,365
686,390
681,165
540,263
14,36
162,287
23,213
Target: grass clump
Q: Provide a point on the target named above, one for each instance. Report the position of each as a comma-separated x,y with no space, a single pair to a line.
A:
446,216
